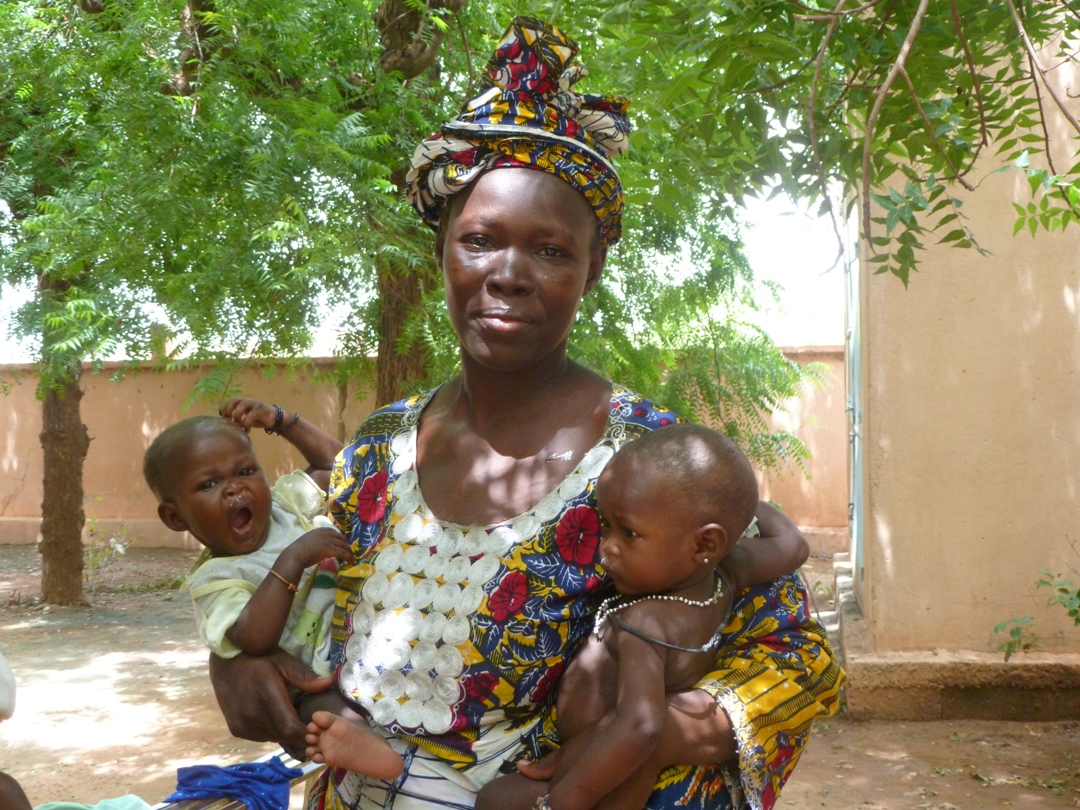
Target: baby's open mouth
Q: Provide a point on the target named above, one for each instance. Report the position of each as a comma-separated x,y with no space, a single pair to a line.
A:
241,519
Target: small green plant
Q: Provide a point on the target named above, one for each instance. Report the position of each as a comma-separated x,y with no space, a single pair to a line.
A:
102,548
1065,593
1021,636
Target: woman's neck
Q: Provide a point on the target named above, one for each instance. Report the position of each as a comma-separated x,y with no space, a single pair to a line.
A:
484,396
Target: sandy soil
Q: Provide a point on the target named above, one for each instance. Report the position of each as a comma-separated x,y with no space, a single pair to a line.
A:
114,698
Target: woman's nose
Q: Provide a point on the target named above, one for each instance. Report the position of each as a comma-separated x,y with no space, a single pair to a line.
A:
510,274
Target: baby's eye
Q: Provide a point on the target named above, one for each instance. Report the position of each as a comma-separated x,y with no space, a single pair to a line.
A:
248,471
209,484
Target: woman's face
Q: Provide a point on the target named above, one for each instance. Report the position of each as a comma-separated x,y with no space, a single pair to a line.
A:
519,250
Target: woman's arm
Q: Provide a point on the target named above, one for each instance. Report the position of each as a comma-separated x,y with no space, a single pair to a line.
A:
780,550
318,447
253,693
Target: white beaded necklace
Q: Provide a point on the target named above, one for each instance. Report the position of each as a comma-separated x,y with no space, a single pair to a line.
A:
606,609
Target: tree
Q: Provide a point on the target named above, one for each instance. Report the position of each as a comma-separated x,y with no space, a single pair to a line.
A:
207,166
848,103
228,167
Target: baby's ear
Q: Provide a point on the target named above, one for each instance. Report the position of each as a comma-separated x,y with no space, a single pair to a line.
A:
171,518
710,543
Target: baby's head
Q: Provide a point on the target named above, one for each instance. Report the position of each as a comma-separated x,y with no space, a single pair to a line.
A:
208,481
673,502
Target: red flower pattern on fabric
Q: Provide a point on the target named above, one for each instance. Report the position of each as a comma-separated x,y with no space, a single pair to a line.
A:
509,597
547,682
578,535
480,685
371,499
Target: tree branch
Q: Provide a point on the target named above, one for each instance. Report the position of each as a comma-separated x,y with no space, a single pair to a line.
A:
930,128
879,100
1042,71
974,73
812,127
1042,116
820,15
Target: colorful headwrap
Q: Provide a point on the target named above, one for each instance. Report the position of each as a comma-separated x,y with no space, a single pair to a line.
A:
526,115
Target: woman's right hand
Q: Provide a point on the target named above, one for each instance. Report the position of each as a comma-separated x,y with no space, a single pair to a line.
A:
253,694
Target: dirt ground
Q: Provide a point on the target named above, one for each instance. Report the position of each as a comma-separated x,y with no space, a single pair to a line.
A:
114,698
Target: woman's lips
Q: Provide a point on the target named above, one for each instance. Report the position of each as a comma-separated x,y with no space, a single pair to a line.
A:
502,321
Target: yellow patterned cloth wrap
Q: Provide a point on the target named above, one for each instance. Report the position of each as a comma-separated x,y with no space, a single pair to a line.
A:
527,115
452,638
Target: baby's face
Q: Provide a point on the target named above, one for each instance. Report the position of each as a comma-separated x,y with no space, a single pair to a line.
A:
220,494
647,543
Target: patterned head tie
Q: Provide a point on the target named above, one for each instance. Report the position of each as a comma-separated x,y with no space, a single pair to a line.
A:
526,115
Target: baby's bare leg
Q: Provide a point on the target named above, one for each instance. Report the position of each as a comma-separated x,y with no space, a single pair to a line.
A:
635,790
339,736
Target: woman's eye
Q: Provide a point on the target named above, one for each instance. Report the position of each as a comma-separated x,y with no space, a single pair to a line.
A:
476,240
551,252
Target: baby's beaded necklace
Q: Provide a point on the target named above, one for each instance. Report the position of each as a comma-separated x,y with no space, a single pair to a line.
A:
607,607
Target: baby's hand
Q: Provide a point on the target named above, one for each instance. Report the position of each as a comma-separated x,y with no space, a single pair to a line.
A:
320,544
249,413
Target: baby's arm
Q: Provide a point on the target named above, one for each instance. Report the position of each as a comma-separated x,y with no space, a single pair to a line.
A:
258,628
318,447
617,746
780,550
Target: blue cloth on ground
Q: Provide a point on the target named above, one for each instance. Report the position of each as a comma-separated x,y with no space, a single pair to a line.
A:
259,785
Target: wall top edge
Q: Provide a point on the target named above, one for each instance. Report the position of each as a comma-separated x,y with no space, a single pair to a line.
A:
112,365
809,351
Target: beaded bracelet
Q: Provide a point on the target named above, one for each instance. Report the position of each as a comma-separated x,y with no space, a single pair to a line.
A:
278,416
288,427
288,584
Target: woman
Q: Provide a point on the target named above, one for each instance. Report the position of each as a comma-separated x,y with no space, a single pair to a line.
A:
471,507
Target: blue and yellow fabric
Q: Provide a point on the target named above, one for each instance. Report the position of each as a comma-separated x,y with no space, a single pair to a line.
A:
527,115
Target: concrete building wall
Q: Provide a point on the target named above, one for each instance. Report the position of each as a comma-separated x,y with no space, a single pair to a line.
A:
123,417
818,502
971,389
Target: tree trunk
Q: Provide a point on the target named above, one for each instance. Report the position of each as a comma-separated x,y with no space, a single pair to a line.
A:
64,441
399,295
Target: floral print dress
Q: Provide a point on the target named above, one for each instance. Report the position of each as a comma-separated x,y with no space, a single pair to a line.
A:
452,638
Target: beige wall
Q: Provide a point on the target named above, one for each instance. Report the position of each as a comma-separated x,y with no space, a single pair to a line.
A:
971,384
818,418
123,417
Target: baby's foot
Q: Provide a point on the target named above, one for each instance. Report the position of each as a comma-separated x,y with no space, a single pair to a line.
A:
337,742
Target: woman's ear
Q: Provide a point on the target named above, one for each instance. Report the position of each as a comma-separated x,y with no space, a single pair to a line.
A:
597,258
710,543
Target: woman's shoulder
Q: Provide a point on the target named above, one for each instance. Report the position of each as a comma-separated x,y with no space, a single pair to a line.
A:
632,410
390,419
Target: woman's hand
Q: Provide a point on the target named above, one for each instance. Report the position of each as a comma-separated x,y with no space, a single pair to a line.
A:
253,694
